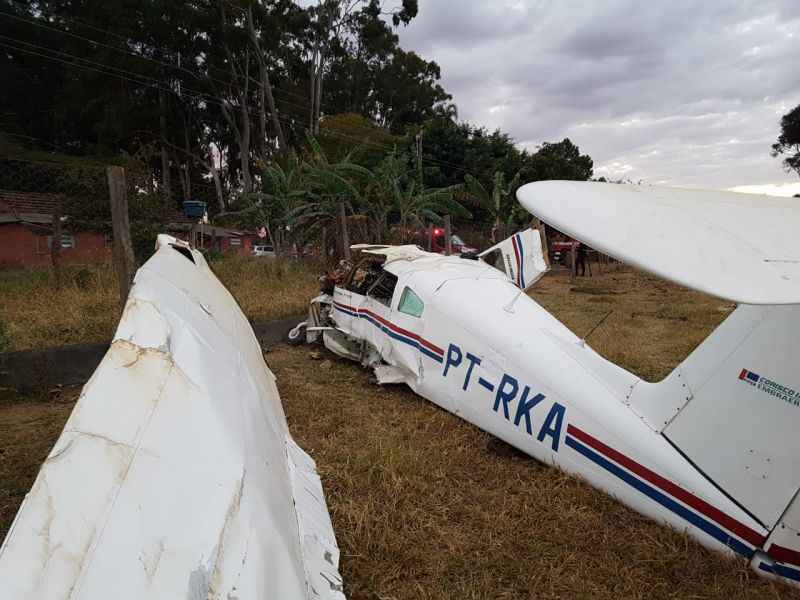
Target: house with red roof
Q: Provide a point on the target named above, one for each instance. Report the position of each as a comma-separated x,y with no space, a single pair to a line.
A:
26,233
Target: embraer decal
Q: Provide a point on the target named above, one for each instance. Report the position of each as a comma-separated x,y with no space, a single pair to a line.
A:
770,387
506,392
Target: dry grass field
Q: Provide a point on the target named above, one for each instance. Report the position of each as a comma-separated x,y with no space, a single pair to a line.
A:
86,309
427,506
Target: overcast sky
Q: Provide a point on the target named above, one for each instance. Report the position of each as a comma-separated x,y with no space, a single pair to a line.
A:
670,92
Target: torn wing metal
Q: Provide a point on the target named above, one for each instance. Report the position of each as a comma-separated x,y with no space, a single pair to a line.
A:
175,475
521,257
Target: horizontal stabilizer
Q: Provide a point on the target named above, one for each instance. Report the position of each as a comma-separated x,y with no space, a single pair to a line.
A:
741,247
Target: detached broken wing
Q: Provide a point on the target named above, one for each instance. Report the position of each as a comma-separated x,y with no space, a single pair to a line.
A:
175,476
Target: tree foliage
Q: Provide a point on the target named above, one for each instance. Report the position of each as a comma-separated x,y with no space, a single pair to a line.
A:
788,143
271,112
196,76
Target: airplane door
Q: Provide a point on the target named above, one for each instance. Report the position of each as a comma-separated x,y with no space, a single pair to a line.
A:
347,313
375,313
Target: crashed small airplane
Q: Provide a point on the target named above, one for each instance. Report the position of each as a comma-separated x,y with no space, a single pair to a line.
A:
711,450
175,475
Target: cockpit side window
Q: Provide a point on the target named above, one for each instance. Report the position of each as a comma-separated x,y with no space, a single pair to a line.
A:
364,275
383,289
495,258
410,303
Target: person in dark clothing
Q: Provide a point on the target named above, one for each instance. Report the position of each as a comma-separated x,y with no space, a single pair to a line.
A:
580,260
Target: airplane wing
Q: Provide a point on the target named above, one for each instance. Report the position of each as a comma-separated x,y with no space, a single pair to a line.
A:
175,475
741,247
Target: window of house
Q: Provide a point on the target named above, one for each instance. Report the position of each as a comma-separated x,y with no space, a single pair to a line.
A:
410,303
67,241
236,241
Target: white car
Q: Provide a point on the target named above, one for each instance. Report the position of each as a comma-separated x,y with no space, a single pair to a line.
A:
267,251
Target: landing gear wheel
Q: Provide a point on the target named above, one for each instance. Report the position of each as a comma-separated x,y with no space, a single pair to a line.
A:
297,335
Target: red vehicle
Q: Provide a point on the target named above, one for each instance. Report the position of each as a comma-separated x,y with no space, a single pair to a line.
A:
560,251
457,244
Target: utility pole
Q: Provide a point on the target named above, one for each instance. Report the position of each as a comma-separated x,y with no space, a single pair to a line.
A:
124,261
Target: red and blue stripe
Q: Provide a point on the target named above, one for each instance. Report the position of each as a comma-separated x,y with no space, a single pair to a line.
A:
396,332
694,510
516,242
785,555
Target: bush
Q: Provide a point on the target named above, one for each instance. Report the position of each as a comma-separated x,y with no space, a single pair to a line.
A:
212,254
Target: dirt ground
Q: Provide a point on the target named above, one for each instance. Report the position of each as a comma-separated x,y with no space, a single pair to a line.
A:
28,429
425,505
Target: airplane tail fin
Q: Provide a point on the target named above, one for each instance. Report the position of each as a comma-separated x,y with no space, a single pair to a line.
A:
521,257
733,409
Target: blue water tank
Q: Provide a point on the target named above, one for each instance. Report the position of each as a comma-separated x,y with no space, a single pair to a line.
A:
194,209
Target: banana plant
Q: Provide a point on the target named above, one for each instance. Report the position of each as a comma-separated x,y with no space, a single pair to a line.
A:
495,202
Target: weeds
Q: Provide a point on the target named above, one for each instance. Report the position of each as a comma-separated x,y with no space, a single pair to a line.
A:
86,308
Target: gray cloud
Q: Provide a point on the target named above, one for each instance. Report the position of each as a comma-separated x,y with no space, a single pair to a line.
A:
678,92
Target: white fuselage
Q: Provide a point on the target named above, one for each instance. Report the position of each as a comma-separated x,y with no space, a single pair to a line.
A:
490,354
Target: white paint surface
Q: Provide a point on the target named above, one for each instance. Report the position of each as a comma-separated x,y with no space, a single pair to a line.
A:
175,476
741,247
701,451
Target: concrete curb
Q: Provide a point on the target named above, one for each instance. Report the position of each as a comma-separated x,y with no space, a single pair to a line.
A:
28,370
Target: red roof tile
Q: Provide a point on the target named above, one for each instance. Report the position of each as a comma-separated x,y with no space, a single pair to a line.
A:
27,202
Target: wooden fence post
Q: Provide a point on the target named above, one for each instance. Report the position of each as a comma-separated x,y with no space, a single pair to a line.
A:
448,236
345,236
55,242
124,261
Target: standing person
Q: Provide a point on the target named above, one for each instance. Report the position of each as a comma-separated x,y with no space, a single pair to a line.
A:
580,260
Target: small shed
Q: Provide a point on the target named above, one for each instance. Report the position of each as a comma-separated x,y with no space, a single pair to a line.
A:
26,233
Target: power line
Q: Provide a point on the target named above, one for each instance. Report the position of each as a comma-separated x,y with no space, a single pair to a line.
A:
30,137
74,57
38,23
106,65
40,161
94,42
154,83
83,164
